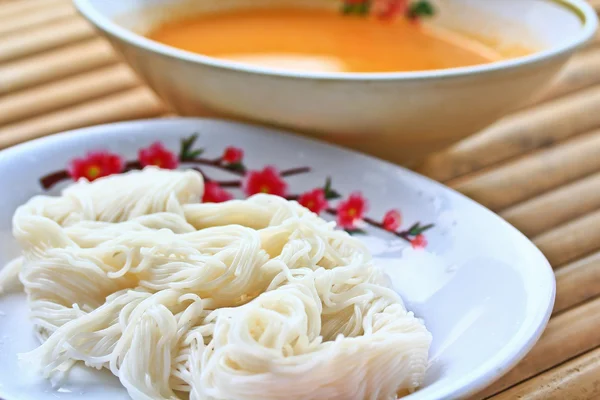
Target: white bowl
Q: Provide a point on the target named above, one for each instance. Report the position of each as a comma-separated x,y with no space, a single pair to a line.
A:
484,290
397,116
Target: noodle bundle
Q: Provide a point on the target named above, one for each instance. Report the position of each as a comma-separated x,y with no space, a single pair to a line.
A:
255,299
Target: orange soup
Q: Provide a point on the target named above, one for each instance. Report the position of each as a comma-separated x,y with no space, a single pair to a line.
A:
322,40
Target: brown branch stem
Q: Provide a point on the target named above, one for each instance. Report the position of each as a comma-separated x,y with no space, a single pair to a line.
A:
52,179
216,163
295,171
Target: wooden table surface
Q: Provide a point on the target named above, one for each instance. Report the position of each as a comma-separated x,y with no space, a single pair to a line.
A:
539,168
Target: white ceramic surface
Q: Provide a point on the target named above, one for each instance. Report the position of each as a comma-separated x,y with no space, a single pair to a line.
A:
409,114
484,290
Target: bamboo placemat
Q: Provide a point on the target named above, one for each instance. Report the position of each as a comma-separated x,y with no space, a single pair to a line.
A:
538,168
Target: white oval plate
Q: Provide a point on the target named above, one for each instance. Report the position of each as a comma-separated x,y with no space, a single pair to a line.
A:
484,290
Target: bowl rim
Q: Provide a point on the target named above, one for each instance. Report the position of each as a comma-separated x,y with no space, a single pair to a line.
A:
579,7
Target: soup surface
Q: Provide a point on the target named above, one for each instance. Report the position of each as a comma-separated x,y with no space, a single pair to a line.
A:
322,40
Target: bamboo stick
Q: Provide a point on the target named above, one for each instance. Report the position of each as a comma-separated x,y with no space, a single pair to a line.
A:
44,38
16,9
55,65
594,43
578,379
567,335
36,17
582,71
577,282
131,104
596,39
557,207
532,175
66,92
572,240
519,133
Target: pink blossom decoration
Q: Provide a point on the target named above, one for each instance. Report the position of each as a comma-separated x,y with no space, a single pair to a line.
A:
268,181
95,165
157,155
213,193
351,210
392,220
233,155
419,242
314,200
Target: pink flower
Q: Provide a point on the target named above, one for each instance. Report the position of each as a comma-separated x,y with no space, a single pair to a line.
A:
351,210
314,200
95,165
268,180
388,9
213,193
419,242
158,156
392,220
233,155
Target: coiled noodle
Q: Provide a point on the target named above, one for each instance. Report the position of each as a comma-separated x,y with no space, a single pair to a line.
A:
255,299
